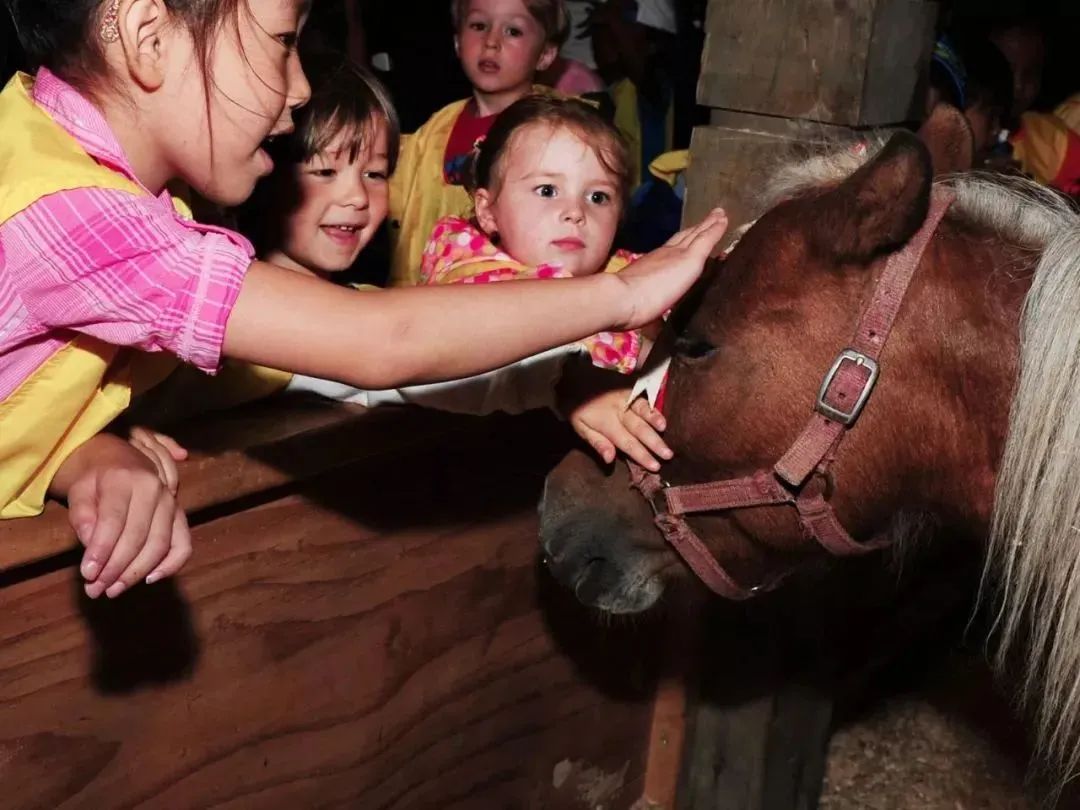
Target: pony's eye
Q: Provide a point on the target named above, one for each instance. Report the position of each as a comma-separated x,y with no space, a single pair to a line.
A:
691,347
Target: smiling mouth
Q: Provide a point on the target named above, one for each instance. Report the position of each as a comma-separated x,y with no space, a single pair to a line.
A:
347,236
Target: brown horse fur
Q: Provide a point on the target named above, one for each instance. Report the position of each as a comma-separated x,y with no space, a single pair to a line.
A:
748,366
879,208
948,136
927,450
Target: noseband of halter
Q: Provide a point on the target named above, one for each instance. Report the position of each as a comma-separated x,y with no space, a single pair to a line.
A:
799,478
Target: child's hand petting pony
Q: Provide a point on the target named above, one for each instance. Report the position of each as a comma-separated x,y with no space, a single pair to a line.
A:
608,426
122,504
594,402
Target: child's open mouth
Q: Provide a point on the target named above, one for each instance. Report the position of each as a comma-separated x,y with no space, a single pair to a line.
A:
488,66
263,153
345,235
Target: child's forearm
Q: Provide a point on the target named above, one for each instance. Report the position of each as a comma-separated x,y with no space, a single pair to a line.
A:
399,337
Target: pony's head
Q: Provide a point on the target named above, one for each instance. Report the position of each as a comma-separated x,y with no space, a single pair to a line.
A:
747,367
941,449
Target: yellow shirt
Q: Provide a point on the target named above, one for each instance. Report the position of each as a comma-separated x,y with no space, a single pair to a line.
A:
419,194
1049,150
87,383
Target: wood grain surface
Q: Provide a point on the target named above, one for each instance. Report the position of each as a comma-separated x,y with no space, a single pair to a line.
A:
379,636
849,62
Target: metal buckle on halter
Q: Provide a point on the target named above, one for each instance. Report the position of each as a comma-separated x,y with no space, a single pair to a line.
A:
847,418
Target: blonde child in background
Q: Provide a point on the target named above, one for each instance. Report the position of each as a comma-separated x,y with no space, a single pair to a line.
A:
105,283
549,186
321,206
502,45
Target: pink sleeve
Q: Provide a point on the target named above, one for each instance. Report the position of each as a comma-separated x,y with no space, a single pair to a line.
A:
127,270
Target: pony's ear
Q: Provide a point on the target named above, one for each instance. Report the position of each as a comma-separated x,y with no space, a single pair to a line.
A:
947,134
879,207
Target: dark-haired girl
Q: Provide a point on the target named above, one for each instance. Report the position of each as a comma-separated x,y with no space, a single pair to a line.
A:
104,278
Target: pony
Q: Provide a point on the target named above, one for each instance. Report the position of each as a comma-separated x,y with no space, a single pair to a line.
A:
971,434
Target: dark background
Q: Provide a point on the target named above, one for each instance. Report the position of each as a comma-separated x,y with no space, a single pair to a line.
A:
417,36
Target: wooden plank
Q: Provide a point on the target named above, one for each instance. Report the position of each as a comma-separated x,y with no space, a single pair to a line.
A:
243,452
898,60
382,638
847,62
730,162
667,735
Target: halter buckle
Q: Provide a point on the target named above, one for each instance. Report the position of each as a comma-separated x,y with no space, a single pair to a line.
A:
847,418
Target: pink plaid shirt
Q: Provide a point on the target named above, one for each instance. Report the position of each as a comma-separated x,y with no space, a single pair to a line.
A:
126,269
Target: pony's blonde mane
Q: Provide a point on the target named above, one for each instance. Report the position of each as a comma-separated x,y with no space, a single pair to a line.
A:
1034,550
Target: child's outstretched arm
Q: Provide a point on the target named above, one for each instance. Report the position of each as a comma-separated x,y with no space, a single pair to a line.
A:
397,337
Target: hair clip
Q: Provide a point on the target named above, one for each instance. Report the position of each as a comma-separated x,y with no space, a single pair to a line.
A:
110,22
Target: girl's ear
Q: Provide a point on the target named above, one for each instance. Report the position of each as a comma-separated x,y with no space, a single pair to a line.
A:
482,202
142,26
547,56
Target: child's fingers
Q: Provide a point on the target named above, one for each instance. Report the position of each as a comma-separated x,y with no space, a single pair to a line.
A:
177,452
598,442
179,551
156,546
643,409
632,447
156,454
82,508
161,460
647,435
113,496
146,491
712,229
83,514
687,235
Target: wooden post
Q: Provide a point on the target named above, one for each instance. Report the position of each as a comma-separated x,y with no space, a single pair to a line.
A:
782,72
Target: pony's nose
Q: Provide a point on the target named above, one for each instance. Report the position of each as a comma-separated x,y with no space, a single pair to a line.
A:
593,580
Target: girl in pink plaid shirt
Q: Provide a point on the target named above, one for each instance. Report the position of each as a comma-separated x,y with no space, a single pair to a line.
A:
97,260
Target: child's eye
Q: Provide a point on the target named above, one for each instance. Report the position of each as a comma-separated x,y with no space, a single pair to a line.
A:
376,175
599,197
546,190
514,32
323,172
476,25
289,40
